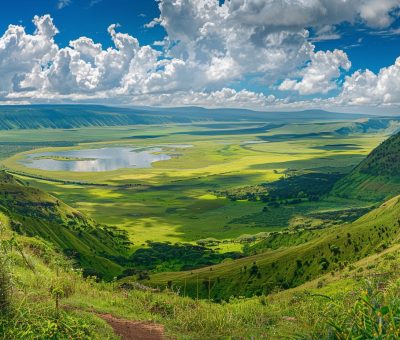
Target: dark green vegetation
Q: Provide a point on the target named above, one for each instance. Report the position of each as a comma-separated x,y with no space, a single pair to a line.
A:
376,177
34,213
291,189
164,256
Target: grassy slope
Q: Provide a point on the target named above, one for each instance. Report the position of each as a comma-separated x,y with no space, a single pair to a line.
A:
33,212
286,314
376,177
290,267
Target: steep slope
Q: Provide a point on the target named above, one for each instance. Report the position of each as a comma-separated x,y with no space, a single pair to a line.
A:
290,267
376,177
96,248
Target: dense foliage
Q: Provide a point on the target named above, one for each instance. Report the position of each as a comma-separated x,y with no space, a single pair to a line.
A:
291,188
164,256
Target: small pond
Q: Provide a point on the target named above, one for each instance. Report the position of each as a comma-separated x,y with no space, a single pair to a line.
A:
97,160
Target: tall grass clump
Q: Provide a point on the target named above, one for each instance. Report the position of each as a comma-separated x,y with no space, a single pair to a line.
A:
5,285
34,279
5,279
374,315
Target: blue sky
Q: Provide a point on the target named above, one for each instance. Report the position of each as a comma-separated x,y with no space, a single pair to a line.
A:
366,47
86,18
91,18
239,53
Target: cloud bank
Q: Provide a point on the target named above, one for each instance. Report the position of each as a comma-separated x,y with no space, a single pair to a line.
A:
208,50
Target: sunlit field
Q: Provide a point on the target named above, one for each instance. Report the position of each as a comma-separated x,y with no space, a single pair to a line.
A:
176,200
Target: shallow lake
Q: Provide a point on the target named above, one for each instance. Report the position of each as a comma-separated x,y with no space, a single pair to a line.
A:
96,160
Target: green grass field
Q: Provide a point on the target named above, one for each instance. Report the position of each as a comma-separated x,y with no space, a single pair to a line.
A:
173,201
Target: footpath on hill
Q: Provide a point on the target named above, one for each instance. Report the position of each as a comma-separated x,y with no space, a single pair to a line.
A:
129,329
134,330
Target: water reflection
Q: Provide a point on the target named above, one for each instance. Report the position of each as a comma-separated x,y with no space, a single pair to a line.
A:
96,160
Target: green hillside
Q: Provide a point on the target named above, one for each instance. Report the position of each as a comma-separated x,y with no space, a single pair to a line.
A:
289,267
96,248
376,177
42,297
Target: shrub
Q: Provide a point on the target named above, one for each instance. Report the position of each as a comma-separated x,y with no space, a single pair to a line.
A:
263,300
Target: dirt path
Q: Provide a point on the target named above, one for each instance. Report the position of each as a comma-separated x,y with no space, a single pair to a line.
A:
129,329
134,330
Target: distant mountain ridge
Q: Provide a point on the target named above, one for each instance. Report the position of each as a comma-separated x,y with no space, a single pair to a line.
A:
77,116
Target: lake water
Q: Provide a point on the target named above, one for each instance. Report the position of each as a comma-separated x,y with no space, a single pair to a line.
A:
96,160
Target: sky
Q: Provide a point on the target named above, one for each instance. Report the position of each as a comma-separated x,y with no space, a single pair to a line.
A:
338,55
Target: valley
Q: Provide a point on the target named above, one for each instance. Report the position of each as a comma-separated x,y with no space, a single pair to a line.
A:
180,199
200,170
210,211
183,199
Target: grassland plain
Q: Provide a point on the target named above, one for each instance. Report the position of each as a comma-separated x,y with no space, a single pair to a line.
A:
173,201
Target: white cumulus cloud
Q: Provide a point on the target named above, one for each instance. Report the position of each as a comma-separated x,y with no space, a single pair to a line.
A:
226,97
321,73
368,88
208,49
22,53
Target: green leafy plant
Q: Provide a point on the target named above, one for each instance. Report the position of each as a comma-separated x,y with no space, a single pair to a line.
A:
373,316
